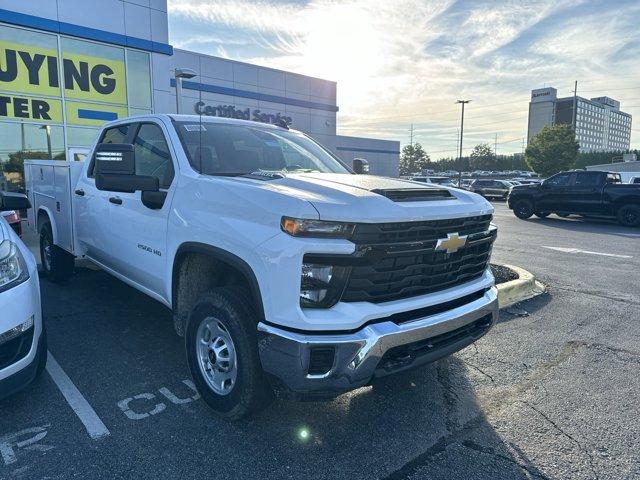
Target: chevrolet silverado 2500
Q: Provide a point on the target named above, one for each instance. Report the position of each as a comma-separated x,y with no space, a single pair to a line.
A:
283,269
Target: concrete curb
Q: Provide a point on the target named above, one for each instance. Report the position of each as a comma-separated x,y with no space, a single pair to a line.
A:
522,288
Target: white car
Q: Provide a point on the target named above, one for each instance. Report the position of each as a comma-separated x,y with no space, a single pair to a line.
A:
23,343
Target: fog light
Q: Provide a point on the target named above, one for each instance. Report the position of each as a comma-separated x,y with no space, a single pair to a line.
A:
16,331
321,285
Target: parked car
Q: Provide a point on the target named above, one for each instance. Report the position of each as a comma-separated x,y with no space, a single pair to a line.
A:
446,181
23,341
283,269
491,188
590,193
12,217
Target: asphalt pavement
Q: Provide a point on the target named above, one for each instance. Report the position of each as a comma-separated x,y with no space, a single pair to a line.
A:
552,391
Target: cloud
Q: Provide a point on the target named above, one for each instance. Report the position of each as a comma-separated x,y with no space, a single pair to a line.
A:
409,60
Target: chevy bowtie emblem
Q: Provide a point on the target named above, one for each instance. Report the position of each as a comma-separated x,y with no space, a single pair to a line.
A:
452,243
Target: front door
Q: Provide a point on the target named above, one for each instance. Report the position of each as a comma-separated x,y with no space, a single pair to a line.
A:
139,232
554,196
91,206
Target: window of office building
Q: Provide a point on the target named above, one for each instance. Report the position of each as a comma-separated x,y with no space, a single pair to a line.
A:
56,92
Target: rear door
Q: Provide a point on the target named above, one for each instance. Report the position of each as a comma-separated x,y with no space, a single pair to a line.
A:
584,194
138,234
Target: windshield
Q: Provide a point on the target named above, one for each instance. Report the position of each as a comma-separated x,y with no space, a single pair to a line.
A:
228,149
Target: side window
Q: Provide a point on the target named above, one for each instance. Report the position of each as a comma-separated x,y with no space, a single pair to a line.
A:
560,180
117,134
588,179
615,178
152,154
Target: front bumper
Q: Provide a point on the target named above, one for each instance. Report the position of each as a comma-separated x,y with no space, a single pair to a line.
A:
378,349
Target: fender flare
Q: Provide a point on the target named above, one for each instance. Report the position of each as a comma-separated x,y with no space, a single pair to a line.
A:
227,257
49,214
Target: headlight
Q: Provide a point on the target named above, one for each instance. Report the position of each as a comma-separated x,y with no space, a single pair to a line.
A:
321,286
298,227
13,269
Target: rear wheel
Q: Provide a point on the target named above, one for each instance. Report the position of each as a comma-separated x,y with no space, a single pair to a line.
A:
629,216
222,353
542,214
523,209
57,264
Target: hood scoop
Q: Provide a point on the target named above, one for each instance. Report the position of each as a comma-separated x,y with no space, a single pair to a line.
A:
264,175
415,194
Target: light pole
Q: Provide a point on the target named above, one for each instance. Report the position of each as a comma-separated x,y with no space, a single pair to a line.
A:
463,102
179,74
47,128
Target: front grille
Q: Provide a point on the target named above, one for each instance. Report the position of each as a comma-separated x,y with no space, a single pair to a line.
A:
399,260
15,349
374,233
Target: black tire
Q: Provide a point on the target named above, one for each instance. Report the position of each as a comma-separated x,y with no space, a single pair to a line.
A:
523,209
629,215
251,391
563,215
42,353
58,264
542,214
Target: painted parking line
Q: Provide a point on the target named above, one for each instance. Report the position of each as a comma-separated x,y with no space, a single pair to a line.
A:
587,252
87,415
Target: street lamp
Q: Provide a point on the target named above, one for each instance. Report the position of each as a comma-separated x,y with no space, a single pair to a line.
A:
463,102
47,128
179,74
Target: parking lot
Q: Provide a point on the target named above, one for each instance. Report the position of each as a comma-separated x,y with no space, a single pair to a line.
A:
552,391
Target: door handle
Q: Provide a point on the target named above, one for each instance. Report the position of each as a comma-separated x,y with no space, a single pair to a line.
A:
116,200
79,192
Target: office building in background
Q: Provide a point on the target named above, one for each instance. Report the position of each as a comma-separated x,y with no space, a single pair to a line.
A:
600,125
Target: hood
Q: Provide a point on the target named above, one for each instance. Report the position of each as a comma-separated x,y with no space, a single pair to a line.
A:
368,198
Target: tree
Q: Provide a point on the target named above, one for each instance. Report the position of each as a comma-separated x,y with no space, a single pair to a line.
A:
552,150
482,157
413,159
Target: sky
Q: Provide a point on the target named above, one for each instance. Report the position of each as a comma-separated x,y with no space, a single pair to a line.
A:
404,62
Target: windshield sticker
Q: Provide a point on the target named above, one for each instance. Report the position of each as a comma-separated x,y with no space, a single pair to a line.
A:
195,128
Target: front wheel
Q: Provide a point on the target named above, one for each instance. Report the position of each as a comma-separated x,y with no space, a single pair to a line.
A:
222,353
629,216
57,264
523,209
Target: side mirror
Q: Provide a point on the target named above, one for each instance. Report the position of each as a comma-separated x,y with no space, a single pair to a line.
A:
115,170
360,166
13,201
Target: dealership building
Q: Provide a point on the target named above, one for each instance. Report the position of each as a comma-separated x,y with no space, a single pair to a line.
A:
599,123
68,66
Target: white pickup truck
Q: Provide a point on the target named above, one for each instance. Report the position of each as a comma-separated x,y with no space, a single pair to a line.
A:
284,269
